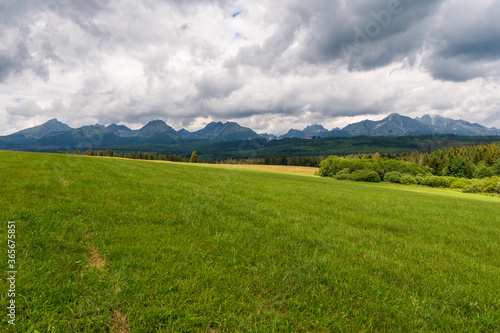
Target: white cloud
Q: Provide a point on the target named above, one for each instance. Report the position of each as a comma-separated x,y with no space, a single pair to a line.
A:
274,66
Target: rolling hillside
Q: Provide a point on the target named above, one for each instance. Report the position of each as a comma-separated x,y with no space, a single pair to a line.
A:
136,246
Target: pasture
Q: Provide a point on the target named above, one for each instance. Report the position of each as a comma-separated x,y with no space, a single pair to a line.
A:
137,246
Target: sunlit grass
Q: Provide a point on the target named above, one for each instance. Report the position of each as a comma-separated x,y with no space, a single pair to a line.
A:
200,248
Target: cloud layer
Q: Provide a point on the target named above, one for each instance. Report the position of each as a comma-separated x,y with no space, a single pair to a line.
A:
268,65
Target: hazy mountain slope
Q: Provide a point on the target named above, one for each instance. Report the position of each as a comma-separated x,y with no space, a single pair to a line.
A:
219,131
458,127
37,132
393,125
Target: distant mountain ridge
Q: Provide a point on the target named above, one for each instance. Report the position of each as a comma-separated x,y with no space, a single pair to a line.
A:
156,127
396,125
113,128
458,127
37,132
393,125
218,131
54,134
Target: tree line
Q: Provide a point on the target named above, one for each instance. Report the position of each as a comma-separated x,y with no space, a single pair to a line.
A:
478,161
307,161
131,155
310,161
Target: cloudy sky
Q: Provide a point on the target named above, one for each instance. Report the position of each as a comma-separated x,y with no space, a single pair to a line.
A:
269,65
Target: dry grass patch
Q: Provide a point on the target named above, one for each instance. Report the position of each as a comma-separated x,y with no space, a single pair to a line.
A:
299,170
66,182
95,260
119,321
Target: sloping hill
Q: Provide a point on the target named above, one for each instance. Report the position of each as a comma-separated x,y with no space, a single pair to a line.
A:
85,137
51,126
198,248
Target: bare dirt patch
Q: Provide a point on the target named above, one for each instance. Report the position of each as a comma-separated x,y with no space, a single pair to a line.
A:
95,260
117,288
66,182
119,322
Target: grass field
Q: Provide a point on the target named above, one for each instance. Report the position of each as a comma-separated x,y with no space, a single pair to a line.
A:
296,170
136,246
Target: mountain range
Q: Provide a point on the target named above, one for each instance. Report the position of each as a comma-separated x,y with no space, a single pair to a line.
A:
396,125
54,134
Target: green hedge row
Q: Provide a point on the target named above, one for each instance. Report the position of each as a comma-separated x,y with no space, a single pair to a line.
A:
392,171
333,165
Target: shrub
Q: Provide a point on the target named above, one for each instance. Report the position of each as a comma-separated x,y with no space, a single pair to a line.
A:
473,188
436,181
487,185
343,174
372,177
459,183
326,167
451,179
345,171
393,177
408,180
356,175
491,185
489,188
365,176
331,166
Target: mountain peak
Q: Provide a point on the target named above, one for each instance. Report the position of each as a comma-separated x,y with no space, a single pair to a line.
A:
393,125
113,128
214,123
315,127
156,122
183,133
156,127
314,130
457,127
219,131
51,126
394,117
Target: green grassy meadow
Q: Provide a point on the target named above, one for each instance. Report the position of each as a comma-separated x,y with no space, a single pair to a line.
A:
111,245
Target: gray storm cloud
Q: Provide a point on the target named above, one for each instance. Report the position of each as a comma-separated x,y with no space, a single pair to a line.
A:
268,65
